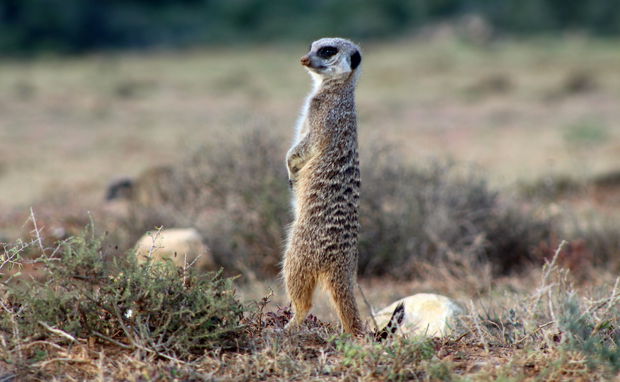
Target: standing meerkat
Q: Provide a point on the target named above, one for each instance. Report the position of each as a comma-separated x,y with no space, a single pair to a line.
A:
323,170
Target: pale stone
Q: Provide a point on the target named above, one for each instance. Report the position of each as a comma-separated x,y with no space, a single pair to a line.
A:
181,245
425,314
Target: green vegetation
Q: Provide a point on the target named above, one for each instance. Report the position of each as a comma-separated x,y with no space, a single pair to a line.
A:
586,133
82,25
395,360
154,309
596,338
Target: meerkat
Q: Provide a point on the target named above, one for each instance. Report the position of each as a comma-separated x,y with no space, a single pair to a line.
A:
324,175
152,187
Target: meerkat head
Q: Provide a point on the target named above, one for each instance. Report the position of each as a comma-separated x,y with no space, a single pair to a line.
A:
332,58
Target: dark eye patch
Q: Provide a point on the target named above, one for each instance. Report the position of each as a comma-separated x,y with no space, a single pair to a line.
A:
326,51
356,58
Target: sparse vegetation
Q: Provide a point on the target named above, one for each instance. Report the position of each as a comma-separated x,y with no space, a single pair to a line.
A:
86,321
153,310
538,118
236,194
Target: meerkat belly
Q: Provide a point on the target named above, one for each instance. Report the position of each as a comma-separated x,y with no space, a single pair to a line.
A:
328,208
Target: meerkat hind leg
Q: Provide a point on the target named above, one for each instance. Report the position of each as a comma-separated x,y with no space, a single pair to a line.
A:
340,288
300,288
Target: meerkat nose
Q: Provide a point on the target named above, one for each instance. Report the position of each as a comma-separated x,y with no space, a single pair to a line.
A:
305,61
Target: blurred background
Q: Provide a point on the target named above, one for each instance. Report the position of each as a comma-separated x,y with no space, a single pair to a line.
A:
489,131
70,26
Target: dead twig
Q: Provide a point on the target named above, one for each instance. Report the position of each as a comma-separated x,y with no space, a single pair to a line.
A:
66,360
370,308
37,231
58,332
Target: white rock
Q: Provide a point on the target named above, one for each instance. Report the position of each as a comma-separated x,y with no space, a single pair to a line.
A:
425,314
181,245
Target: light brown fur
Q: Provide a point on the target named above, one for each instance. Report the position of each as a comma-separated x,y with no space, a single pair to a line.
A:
324,173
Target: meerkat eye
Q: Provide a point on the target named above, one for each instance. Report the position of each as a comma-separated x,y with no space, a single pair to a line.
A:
326,51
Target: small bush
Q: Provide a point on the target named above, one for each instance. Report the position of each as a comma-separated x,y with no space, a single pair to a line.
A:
588,334
550,188
579,81
597,239
438,213
154,308
242,189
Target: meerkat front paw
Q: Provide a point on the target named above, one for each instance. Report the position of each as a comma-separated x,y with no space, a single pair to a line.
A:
291,177
294,163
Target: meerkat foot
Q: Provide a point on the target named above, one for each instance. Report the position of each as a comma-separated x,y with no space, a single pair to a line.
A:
341,291
292,326
300,288
297,320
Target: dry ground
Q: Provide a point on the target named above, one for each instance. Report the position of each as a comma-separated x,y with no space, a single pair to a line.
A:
540,326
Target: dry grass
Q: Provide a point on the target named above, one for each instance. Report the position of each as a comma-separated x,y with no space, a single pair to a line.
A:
537,327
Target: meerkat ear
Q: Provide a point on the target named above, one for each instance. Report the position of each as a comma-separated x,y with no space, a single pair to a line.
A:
356,58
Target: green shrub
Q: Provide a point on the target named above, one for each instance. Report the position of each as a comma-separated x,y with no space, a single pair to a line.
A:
592,336
155,308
